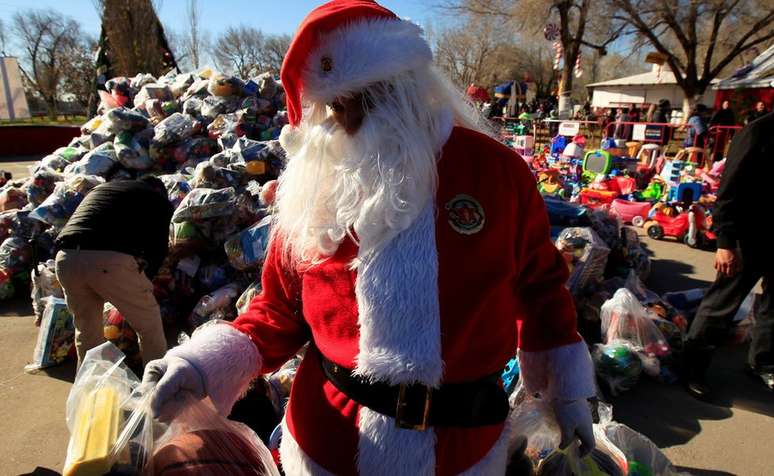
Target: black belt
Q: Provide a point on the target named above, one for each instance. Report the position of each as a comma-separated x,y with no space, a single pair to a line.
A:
470,404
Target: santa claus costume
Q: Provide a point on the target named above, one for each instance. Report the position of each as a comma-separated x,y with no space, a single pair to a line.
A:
414,257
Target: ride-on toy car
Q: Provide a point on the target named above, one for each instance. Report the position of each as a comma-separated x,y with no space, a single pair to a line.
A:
692,227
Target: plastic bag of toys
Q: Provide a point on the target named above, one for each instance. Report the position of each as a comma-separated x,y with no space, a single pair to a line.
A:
109,418
618,365
533,418
60,205
204,203
199,436
41,185
248,248
243,303
121,334
12,198
44,284
216,305
175,128
56,336
625,319
586,255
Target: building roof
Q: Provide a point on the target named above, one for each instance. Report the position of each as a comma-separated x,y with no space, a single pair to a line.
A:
642,79
758,74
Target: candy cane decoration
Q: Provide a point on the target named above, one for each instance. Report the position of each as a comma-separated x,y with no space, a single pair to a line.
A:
558,55
578,69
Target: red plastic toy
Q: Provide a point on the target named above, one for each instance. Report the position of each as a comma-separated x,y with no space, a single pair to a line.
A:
630,212
691,227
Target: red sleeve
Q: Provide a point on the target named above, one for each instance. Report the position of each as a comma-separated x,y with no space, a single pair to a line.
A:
546,309
274,321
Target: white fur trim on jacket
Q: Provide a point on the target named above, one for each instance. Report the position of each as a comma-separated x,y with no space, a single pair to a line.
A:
399,313
564,372
293,459
400,342
227,359
362,53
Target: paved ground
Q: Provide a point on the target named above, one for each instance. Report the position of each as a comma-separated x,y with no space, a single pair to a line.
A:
730,436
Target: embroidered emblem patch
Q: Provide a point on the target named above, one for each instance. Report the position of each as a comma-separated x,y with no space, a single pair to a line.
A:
466,215
326,64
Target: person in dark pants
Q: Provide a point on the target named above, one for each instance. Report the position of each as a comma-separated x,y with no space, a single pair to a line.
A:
744,256
110,249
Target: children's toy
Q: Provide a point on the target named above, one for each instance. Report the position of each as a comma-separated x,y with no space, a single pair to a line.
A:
550,182
685,193
630,212
618,365
598,162
586,255
55,337
597,198
524,145
692,227
654,191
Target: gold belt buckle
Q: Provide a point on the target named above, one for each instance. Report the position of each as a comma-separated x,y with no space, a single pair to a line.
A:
401,407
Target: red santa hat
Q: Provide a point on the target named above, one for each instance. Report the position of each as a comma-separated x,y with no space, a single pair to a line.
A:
344,46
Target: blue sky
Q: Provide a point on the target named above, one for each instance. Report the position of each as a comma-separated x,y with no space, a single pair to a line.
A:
271,16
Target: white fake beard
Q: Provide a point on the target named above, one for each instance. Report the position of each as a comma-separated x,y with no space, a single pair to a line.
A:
370,186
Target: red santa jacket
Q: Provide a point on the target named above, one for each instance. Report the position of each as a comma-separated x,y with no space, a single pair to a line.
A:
500,285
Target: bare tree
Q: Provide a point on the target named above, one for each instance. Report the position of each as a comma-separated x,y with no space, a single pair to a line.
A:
48,40
699,38
196,41
583,23
3,39
239,50
274,51
467,52
79,70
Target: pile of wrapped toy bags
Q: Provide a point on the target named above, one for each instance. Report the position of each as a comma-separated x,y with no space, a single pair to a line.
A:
212,140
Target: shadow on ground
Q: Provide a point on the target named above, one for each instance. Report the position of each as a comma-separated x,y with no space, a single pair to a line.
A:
39,471
702,472
670,275
17,306
666,414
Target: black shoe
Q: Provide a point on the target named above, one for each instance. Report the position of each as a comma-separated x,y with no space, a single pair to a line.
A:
698,389
762,375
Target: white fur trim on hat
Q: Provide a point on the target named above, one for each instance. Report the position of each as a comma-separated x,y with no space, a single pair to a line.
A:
362,53
227,359
565,372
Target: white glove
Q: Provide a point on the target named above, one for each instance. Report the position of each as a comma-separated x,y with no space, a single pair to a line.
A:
176,380
574,419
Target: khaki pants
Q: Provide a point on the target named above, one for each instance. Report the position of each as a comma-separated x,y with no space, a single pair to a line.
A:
90,278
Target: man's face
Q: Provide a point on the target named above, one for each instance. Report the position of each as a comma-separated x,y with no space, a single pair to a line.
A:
759,106
349,112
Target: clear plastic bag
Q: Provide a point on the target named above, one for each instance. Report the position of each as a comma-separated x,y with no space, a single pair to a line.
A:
60,205
109,418
97,162
215,305
618,365
533,419
130,153
586,254
243,303
215,445
42,184
642,455
625,319
12,198
204,203
175,128
127,120
56,336
248,248
44,284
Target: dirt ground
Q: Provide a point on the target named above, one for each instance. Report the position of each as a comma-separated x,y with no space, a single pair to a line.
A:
730,436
